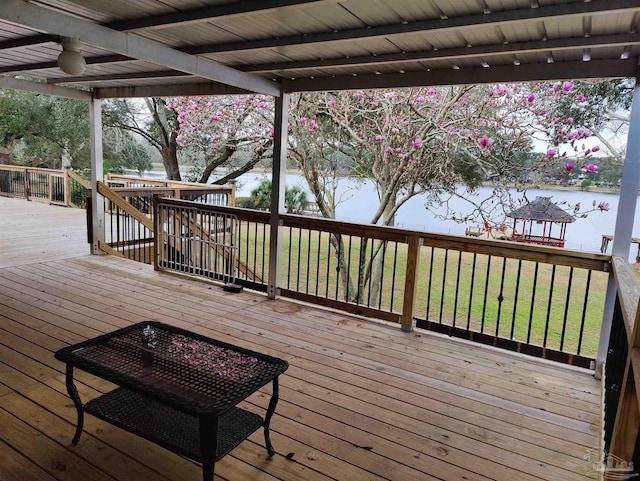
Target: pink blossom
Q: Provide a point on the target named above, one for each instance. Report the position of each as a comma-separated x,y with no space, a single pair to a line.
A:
603,206
359,94
556,87
272,132
531,98
551,153
568,85
569,166
570,120
314,126
587,152
592,168
332,103
417,143
303,120
431,91
491,93
261,105
395,131
502,89
419,99
388,95
483,142
388,149
374,103
378,138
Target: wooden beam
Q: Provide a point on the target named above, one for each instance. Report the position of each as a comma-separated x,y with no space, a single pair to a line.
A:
19,42
43,88
517,48
99,60
519,15
121,76
49,21
173,90
466,76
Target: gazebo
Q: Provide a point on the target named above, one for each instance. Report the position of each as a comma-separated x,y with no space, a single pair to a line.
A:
540,212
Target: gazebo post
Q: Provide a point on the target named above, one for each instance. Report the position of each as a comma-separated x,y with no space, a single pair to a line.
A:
624,220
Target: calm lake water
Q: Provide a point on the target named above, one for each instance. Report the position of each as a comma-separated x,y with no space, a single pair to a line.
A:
359,200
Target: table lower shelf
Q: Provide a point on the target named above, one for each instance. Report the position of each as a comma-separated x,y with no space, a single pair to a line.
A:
168,427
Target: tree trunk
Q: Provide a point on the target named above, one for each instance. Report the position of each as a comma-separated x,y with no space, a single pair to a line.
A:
377,266
170,161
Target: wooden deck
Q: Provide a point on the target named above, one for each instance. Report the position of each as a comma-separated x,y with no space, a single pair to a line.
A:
361,400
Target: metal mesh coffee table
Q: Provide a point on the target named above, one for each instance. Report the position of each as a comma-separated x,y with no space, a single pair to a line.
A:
177,389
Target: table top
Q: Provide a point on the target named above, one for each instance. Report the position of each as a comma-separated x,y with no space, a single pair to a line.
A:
193,373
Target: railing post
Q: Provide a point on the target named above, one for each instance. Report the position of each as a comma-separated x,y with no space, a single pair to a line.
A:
157,223
411,282
50,187
27,184
67,186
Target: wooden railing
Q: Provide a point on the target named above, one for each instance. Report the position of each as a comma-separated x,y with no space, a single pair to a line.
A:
129,212
621,378
542,301
197,192
58,187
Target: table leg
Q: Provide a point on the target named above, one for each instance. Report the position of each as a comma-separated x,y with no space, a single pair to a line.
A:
75,397
267,419
208,446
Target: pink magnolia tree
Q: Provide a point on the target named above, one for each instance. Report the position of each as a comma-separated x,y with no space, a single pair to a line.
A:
443,142
229,132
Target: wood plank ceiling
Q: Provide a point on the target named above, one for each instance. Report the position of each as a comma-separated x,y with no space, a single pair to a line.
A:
318,44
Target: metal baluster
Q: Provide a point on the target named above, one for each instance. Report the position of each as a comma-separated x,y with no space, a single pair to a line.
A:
393,278
515,298
308,258
501,295
318,262
455,302
444,283
471,285
533,300
546,326
486,292
584,311
566,308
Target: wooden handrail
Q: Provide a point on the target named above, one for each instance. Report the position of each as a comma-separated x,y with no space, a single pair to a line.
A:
107,193
628,293
84,183
548,255
627,422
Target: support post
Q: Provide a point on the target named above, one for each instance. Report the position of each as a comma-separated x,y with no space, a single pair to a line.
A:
624,220
411,282
278,179
95,141
67,186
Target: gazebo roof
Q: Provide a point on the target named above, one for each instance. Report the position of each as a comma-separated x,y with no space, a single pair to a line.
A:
189,47
542,209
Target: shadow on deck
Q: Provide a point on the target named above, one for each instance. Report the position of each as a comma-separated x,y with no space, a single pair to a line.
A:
361,400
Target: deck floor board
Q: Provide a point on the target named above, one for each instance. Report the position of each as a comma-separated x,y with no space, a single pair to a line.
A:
361,400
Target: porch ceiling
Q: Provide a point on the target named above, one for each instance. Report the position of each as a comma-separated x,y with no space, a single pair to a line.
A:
317,44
